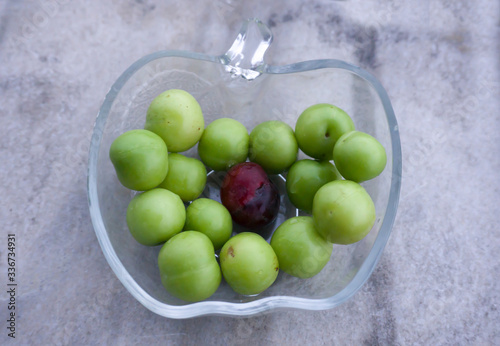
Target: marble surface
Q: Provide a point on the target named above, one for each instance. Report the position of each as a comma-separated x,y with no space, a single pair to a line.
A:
438,279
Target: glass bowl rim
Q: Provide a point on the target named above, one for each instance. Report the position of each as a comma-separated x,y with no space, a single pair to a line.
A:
263,304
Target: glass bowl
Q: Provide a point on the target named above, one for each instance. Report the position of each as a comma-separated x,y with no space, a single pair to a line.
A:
239,84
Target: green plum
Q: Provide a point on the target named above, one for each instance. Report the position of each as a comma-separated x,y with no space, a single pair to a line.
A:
273,146
248,263
359,156
343,212
223,144
188,267
186,177
176,117
319,127
301,251
210,218
155,216
304,178
140,158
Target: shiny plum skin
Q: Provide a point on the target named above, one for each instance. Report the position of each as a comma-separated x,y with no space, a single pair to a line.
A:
250,196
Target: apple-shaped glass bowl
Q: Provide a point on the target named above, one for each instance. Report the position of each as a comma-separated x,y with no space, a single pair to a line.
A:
240,85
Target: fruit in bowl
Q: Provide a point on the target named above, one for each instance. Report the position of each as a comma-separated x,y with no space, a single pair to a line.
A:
176,117
273,146
249,263
186,177
319,127
343,212
155,216
210,218
250,196
304,179
301,250
359,156
223,87
140,159
223,144
188,268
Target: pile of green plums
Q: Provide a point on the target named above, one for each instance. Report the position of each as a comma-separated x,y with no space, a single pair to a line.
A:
150,160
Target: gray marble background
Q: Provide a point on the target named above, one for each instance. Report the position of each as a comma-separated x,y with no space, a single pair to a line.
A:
438,279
